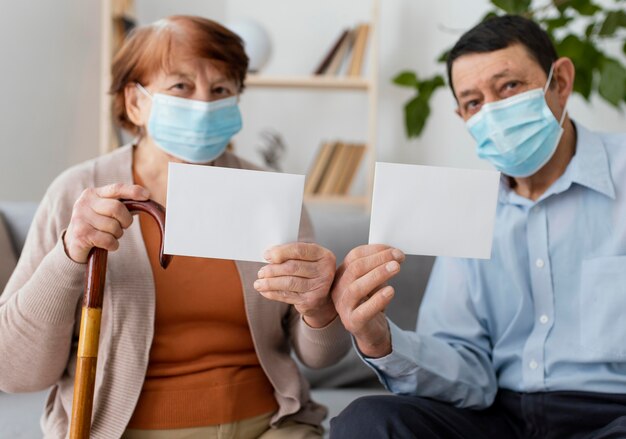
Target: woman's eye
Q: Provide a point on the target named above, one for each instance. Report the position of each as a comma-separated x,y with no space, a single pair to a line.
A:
222,91
512,85
179,86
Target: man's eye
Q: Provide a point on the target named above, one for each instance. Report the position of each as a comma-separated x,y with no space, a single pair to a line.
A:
472,105
179,86
512,85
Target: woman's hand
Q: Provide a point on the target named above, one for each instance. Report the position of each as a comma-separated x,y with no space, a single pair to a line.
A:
300,274
99,219
361,295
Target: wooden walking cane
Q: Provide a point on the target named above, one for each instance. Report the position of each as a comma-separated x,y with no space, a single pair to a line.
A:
87,355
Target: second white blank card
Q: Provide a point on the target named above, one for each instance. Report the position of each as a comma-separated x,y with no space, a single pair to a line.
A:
427,210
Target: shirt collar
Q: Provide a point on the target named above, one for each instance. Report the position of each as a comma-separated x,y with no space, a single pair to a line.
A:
589,167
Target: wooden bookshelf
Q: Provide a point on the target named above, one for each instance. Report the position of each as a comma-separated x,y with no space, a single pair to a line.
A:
313,82
365,84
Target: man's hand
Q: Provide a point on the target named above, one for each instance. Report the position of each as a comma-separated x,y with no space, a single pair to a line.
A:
300,274
361,296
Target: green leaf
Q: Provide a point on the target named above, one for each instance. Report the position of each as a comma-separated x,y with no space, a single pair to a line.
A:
512,6
612,81
406,79
489,15
428,86
583,7
590,29
444,56
624,48
613,20
556,23
416,112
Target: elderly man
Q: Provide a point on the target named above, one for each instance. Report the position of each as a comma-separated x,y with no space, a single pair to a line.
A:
532,343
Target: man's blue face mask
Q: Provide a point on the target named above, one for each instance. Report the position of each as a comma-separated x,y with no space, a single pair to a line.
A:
193,131
517,135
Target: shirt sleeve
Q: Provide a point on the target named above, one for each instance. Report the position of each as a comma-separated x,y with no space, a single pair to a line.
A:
448,357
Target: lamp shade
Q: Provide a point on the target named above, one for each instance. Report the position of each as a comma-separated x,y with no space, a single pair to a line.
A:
256,40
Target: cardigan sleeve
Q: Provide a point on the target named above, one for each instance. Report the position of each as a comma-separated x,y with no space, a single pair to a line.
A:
316,347
39,304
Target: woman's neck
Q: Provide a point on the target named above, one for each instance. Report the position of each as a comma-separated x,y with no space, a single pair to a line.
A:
151,164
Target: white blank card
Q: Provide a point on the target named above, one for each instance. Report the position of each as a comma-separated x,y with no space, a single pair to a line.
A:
230,213
426,210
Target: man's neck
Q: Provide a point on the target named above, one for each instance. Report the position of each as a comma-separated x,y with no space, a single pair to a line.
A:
534,186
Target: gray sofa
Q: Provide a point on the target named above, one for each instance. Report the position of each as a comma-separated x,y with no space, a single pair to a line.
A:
339,228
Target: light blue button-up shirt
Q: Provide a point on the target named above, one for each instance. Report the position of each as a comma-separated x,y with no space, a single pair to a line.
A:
547,312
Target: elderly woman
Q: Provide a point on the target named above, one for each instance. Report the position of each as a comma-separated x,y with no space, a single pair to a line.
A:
201,349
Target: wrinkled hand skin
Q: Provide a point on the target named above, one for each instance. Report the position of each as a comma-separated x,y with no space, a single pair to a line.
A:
361,295
99,219
300,274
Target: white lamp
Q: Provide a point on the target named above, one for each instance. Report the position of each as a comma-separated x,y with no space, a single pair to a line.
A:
256,40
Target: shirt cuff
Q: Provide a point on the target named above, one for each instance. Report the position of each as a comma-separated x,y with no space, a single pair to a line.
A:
397,370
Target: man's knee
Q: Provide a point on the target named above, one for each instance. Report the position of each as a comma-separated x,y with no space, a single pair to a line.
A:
363,414
378,416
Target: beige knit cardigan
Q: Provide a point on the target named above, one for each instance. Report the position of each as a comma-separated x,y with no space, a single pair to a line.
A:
40,308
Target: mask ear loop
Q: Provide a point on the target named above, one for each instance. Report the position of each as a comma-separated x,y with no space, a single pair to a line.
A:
143,90
545,89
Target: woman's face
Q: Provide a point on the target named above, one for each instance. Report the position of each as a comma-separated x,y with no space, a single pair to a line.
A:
197,79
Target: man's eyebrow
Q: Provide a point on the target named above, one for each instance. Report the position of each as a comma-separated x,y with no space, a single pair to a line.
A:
502,74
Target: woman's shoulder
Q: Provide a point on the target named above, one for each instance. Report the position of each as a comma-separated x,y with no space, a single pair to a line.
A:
113,167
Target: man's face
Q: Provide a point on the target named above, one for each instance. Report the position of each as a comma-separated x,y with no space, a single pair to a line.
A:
481,78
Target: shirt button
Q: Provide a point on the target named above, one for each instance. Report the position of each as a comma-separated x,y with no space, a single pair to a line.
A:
543,319
533,365
539,263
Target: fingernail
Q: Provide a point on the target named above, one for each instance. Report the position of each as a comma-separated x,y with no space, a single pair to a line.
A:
397,254
261,271
392,266
267,255
145,193
387,292
257,284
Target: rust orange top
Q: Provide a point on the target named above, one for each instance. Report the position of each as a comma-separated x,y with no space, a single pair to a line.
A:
203,368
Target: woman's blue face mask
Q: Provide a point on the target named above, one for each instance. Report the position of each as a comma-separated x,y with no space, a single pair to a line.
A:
517,135
193,131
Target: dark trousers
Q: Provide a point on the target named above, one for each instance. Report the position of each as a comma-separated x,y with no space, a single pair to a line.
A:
551,415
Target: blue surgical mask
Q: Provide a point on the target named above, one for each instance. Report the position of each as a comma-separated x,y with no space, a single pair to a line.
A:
517,135
193,131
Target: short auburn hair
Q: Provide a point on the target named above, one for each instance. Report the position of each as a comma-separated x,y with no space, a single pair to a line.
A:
148,49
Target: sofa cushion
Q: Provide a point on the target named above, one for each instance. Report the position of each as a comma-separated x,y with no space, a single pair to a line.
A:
7,255
18,215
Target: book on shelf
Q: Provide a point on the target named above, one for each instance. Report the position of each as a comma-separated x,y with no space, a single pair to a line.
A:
358,51
340,57
353,161
319,167
347,53
323,65
334,169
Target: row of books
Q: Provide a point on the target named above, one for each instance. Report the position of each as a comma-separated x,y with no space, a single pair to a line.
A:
347,53
334,168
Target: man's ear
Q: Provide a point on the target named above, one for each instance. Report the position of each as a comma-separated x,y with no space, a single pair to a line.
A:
132,97
564,75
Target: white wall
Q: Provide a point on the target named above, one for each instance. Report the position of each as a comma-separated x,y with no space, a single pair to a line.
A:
49,87
50,94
